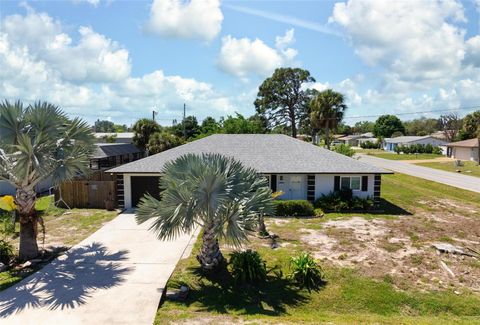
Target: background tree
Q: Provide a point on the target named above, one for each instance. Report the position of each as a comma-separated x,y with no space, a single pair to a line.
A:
143,129
209,126
363,127
120,128
161,141
421,126
188,128
104,126
343,128
39,142
213,191
450,125
327,109
240,125
386,125
282,100
471,126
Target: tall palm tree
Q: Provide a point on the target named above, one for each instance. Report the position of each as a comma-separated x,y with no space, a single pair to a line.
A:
212,191
327,109
39,142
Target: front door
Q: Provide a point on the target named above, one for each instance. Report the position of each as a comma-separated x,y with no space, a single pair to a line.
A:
296,188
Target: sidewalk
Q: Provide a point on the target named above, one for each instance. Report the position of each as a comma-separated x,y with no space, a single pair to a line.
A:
115,276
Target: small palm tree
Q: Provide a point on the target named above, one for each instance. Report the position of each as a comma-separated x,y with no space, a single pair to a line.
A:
327,109
212,191
39,142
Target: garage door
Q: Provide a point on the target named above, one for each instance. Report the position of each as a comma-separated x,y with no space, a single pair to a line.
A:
144,184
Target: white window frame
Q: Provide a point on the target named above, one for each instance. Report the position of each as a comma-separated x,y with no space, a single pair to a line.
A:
350,185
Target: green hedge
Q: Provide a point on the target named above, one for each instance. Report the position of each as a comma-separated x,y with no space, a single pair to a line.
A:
294,208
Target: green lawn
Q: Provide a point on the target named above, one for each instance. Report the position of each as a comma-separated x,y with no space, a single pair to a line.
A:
394,156
350,296
63,228
469,168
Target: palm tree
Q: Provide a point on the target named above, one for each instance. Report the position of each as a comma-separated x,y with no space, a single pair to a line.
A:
212,191
327,109
36,143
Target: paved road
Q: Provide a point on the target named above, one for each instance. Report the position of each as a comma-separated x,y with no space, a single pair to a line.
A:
470,183
115,276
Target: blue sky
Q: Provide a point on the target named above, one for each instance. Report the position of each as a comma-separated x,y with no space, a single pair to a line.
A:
118,59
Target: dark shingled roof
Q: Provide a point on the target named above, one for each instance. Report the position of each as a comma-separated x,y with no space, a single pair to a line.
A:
266,153
105,150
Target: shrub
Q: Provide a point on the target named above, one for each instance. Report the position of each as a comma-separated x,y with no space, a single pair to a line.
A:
370,145
248,267
318,212
344,149
294,208
437,150
306,273
6,252
340,201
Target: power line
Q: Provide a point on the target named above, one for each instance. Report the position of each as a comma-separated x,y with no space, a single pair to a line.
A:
415,113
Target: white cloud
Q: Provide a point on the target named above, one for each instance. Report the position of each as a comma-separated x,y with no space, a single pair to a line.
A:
416,42
93,58
243,57
196,19
472,54
38,61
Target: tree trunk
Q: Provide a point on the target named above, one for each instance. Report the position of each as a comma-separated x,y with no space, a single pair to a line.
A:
25,200
294,125
262,229
210,256
327,136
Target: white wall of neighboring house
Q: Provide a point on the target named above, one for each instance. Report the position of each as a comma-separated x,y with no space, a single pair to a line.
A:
464,153
6,188
389,146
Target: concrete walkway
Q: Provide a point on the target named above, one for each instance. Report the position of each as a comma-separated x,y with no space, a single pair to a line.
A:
465,182
115,276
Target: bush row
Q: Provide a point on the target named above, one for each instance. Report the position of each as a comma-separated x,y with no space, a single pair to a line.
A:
370,145
418,148
343,200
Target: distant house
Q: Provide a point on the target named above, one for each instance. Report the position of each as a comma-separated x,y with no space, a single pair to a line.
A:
464,150
121,137
108,155
297,168
355,140
389,144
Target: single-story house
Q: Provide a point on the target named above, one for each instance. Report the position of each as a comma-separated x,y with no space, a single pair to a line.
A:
389,144
108,155
464,150
354,140
120,137
299,169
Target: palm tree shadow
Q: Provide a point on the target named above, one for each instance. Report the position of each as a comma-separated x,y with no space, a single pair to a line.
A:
68,281
220,294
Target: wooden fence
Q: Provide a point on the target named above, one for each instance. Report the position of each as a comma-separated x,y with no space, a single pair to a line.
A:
87,194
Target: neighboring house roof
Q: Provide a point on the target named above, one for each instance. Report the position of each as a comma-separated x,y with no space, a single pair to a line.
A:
357,136
408,139
120,135
471,143
266,153
105,150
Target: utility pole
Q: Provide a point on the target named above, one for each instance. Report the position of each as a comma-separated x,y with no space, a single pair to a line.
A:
154,113
184,113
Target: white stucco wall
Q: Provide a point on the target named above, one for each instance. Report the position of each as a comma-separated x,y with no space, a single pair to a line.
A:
324,184
433,141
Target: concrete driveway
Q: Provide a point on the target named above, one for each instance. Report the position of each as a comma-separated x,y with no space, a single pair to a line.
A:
465,182
115,276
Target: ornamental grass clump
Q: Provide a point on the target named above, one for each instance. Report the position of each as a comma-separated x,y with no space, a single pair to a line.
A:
306,273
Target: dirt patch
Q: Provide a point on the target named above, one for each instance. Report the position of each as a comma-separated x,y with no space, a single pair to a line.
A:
401,248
